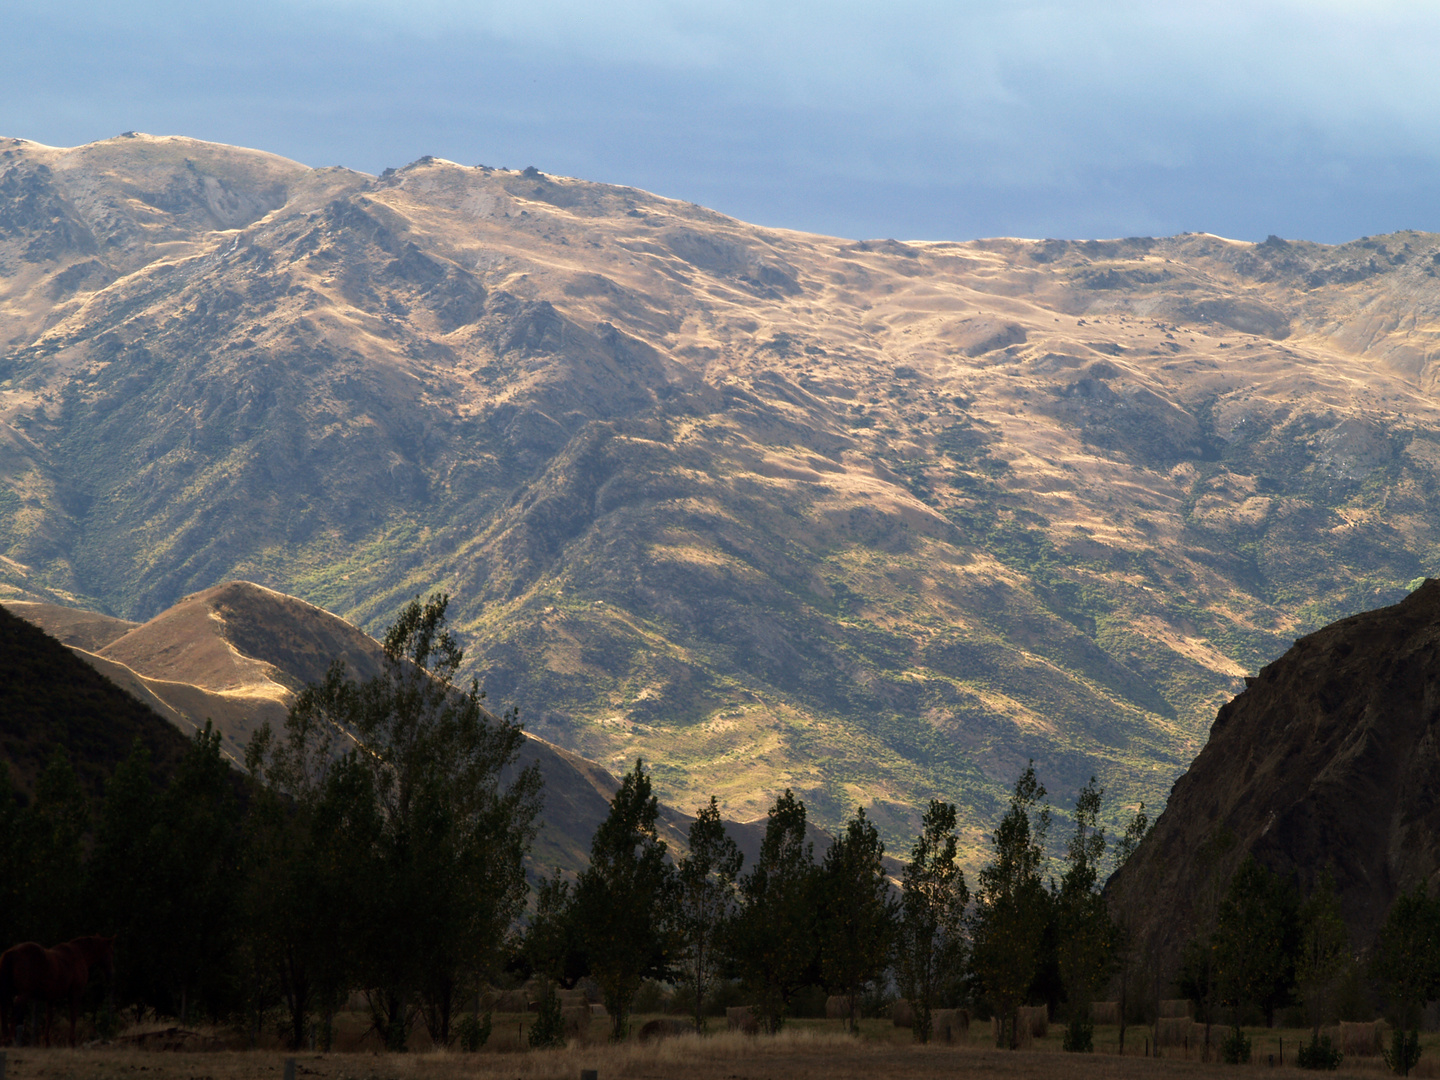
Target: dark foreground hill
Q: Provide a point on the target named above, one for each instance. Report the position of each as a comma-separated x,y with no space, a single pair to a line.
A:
52,700
1330,758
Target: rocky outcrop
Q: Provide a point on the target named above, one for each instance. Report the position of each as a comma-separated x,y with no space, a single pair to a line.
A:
1329,758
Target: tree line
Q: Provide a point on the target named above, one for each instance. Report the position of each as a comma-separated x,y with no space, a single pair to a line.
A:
377,843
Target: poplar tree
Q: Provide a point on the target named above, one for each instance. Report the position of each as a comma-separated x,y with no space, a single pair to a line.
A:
857,913
930,952
1012,907
624,898
1085,936
706,893
773,937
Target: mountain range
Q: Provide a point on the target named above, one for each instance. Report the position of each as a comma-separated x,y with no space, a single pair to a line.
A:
879,521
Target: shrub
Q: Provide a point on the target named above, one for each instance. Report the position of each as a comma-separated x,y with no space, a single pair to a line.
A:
1404,1052
1320,1054
548,1030
474,1032
1079,1035
1235,1049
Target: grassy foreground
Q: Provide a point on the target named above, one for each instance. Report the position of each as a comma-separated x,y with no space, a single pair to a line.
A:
805,1050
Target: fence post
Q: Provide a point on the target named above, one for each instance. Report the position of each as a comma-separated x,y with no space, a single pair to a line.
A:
585,1074
289,1069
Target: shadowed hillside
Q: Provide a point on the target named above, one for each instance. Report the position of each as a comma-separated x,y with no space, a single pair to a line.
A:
235,655
1329,758
51,700
874,520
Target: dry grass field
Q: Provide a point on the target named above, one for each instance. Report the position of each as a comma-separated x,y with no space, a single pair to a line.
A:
805,1051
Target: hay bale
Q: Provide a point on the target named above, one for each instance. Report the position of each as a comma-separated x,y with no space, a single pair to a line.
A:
1197,1036
572,997
1024,1029
1362,1040
950,1025
655,1030
598,1010
513,1001
837,1007
576,1018
742,1018
1105,1012
1172,1030
901,1014
1037,1017
1174,1007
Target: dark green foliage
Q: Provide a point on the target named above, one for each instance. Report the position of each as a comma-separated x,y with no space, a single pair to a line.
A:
1403,1054
1085,936
1079,1035
1012,906
1256,940
706,895
198,875
623,900
411,833
1407,956
473,1031
773,938
1324,950
1235,1047
930,945
547,1030
1319,1053
856,913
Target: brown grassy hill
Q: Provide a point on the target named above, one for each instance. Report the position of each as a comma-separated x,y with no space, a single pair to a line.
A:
236,654
1329,758
874,520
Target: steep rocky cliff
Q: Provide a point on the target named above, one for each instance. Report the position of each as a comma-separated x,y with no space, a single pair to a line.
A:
1329,758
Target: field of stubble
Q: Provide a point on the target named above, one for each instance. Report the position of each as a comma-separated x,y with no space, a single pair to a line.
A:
804,1051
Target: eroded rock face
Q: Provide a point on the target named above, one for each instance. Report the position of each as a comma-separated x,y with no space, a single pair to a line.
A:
1330,758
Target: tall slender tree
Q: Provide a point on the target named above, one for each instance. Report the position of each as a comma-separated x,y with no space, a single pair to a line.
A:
706,893
1012,906
1324,950
930,950
1085,935
624,899
857,913
773,938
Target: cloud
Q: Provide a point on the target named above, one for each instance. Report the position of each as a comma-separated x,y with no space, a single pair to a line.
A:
915,118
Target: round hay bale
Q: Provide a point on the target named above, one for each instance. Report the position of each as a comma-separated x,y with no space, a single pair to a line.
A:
950,1025
576,1018
1024,1029
837,1007
1173,1030
902,1014
1105,1012
1362,1039
742,1018
1037,1017
513,1001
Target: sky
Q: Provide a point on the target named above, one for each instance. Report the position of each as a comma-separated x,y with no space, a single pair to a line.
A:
1308,119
